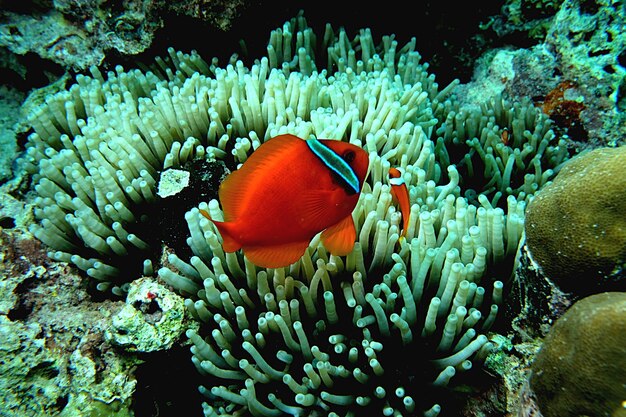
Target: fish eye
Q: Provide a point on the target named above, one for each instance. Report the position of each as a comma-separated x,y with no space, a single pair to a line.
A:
348,156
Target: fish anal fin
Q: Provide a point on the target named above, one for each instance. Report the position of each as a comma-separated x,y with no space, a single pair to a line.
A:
339,238
276,256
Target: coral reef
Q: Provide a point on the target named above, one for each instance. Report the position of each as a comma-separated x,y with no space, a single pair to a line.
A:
588,38
512,365
57,353
527,19
77,34
283,340
534,301
218,13
580,367
399,325
564,104
575,226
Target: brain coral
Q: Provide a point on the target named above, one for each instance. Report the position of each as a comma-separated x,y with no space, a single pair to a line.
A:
580,367
575,227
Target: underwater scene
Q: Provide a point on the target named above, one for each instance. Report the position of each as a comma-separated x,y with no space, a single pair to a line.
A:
252,208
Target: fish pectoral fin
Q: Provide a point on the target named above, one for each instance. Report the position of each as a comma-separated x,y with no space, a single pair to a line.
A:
317,206
339,238
276,256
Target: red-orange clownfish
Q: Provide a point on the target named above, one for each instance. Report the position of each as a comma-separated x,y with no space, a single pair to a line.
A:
400,194
285,193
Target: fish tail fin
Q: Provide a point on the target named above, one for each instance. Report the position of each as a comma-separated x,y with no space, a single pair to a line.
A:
205,214
400,195
229,243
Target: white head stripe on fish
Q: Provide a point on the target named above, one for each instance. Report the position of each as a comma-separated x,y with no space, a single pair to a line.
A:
335,163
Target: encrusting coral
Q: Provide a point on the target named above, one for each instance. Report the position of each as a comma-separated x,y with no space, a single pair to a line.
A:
53,358
323,335
575,227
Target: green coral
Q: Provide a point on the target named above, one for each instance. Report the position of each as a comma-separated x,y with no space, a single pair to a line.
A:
575,227
522,11
580,367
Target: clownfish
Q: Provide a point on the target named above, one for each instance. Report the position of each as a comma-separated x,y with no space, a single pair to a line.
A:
400,194
286,192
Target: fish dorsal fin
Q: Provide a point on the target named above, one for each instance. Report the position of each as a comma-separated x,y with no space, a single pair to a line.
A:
235,187
276,256
339,238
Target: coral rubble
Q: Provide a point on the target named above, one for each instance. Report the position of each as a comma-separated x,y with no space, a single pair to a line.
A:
152,319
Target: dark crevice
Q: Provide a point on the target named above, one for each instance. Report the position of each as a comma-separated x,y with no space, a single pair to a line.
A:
621,59
46,370
589,7
167,385
450,42
25,304
621,96
7,222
